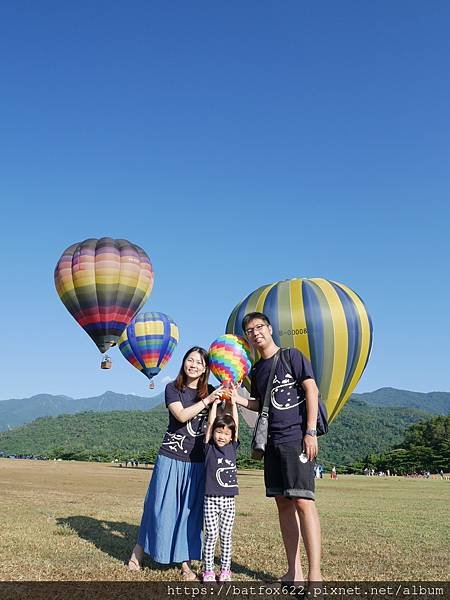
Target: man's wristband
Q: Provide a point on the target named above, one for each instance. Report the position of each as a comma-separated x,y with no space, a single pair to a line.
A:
311,432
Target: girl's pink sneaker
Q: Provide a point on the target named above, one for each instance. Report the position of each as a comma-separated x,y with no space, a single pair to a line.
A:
208,576
225,575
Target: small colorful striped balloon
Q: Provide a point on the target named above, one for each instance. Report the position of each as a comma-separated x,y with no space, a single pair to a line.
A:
326,321
149,341
103,283
229,358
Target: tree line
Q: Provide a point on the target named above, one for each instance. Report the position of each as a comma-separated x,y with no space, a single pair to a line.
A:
361,435
425,448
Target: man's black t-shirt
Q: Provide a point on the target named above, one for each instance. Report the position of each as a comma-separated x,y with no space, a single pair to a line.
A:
287,408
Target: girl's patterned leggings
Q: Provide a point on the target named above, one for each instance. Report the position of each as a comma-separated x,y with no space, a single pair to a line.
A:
219,513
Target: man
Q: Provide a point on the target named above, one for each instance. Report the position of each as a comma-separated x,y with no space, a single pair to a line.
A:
291,445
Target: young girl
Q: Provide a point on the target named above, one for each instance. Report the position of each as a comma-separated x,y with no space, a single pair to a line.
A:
221,443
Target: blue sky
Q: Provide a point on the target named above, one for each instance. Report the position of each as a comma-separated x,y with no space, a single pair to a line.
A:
239,143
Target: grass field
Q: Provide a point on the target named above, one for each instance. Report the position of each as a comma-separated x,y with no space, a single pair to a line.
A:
79,521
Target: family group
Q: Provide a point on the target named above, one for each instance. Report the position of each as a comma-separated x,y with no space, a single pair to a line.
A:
190,501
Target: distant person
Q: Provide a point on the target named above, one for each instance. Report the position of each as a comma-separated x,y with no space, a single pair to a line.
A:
221,443
172,520
292,442
333,473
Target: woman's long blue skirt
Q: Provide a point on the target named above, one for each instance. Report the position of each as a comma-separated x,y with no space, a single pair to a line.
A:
172,522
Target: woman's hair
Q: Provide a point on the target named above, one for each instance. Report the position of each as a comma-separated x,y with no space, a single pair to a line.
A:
225,420
181,380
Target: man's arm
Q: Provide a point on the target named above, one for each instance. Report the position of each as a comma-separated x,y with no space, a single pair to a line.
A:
312,406
250,403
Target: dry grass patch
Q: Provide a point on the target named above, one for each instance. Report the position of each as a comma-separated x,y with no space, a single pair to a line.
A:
79,521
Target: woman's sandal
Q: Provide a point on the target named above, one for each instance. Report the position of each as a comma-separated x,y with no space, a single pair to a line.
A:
188,575
134,564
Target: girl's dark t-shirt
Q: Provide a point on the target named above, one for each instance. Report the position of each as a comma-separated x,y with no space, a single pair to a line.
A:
185,441
220,467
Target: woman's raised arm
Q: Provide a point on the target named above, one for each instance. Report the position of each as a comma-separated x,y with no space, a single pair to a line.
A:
183,415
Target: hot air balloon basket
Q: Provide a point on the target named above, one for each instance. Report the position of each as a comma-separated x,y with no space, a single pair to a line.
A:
106,364
226,393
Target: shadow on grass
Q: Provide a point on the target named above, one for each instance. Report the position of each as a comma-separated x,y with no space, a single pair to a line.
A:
239,569
117,539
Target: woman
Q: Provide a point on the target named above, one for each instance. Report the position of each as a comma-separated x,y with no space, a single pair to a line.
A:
172,520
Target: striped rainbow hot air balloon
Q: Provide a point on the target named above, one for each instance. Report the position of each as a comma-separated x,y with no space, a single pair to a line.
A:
325,320
103,283
149,341
229,358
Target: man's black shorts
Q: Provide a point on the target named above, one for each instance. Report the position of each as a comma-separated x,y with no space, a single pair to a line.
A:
287,473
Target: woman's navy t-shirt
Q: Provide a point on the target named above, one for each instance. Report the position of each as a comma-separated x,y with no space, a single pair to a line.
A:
220,467
185,441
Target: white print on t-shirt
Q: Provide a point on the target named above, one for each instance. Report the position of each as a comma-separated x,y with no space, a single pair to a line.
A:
175,442
196,426
224,473
284,394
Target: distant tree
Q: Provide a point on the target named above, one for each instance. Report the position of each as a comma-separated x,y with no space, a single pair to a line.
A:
426,447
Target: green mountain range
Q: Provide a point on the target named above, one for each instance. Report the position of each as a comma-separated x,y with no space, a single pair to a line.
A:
436,403
359,430
17,411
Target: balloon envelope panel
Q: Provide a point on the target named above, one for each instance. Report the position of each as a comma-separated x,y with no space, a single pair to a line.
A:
149,341
325,320
229,358
103,283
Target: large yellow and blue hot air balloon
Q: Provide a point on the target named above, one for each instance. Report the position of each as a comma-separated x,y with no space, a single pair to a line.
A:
325,320
149,341
103,284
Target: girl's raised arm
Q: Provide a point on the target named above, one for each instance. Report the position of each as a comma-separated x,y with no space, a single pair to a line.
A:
211,419
234,414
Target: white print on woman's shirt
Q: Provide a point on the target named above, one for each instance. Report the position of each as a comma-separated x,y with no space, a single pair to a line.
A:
199,422
285,395
226,472
175,442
